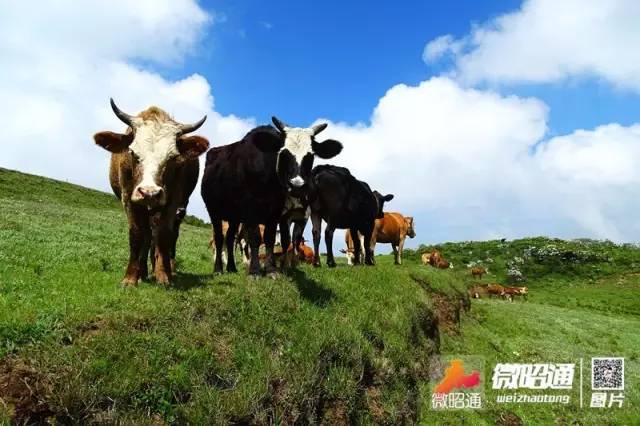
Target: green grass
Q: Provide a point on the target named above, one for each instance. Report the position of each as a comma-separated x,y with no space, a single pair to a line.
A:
344,345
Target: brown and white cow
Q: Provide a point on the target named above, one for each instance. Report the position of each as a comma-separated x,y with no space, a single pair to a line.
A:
152,167
511,292
392,229
478,271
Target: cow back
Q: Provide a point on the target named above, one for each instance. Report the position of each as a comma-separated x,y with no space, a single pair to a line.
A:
240,182
340,198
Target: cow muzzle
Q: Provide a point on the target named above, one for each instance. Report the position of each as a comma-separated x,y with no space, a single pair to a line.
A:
297,182
150,195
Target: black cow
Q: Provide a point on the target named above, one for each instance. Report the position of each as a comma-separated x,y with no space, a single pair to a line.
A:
345,203
249,181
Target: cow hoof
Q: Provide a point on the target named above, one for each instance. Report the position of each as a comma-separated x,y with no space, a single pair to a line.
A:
254,277
129,282
316,265
331,264
273,275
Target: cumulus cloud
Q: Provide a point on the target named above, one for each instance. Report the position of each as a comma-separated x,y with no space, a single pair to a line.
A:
473,164
60,69
547,40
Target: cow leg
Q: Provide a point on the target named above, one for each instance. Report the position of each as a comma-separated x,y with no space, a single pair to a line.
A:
316,223
174,243
231,240
163,236
285,241
254,247
217,240
138,228
368,252
269,243
328,240
395,254
357,248
298,231
144,255
400,249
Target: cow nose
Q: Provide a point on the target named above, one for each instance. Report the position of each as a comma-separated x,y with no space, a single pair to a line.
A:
150,192
297,181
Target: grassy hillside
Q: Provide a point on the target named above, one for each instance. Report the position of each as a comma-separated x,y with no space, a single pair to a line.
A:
350,345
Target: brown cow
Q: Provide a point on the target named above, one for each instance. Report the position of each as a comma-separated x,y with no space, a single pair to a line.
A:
478,272
495,290
151,166
305,253
392,229
510,292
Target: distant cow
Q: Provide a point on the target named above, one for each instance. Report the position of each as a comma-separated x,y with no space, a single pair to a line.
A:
304,252
435,259
496,290
345,203
153,165
350,250
510,292
249,182
392,229
477,291
478,272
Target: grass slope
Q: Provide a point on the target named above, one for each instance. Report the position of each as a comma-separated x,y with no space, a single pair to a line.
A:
319,345
349,345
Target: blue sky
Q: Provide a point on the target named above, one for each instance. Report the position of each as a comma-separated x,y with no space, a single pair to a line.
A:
335,59
486,119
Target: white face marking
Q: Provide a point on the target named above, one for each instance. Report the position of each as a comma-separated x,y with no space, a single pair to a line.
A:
297,181
298,142
154,145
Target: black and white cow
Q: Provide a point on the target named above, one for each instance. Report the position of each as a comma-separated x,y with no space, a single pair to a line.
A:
345,203
249,182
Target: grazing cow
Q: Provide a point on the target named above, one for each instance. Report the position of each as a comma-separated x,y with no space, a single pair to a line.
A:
249,181
350,251
392,229
435,257
495,290
345,203
477,290
510,292
304,252
153,170
443,264
478,272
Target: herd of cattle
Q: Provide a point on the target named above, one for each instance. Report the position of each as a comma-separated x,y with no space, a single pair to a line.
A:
262,182
251,188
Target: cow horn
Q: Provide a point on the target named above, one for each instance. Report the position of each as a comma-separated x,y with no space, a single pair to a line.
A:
123,116
318,128
188,128
279,124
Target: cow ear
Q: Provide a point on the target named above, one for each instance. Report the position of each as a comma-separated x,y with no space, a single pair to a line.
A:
388,197
327,149
192,146
267,140
113,142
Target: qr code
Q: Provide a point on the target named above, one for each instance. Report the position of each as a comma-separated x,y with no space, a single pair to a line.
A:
607,373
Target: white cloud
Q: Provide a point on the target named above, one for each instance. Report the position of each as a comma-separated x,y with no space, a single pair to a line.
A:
63,63
441,46
473,164
549,40
467,163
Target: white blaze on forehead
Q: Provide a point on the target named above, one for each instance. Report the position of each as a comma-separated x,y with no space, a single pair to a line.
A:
154,144
298,142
